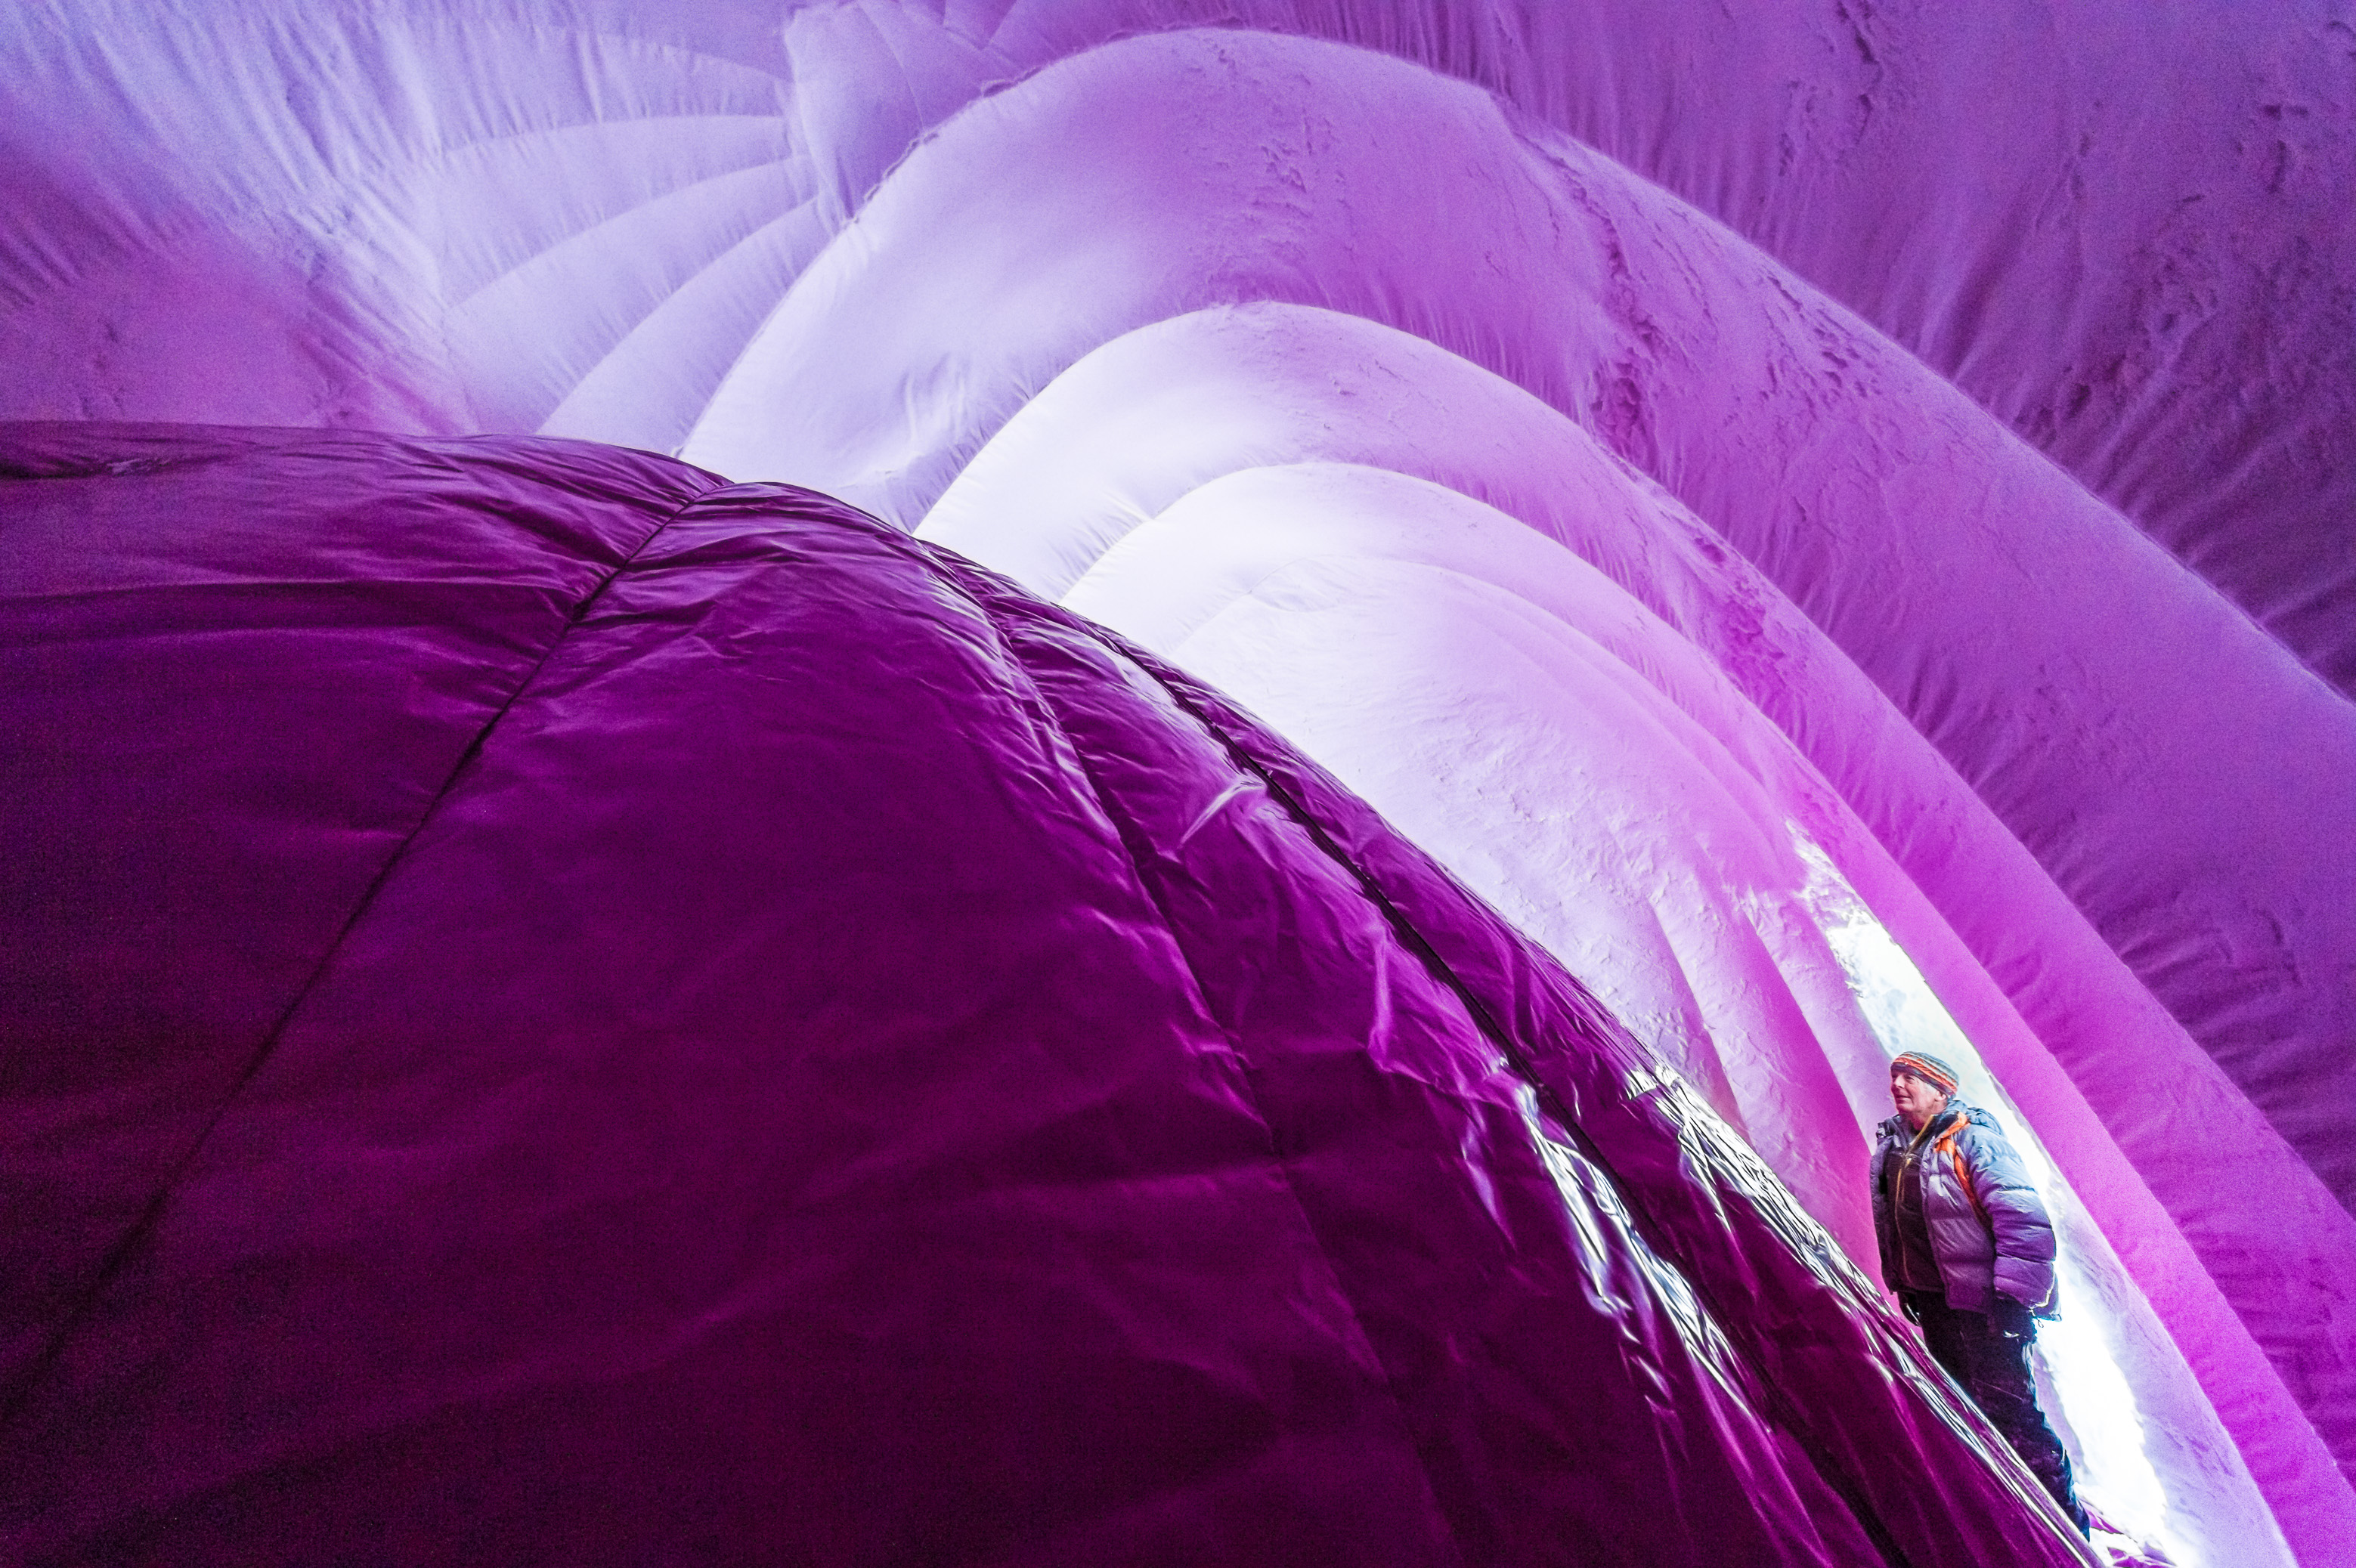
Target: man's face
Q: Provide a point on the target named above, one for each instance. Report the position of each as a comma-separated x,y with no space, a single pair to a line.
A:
1916,1100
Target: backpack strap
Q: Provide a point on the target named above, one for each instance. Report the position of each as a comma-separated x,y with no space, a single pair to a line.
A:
1946,1144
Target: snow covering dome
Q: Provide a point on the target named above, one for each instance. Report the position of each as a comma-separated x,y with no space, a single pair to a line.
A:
1832,522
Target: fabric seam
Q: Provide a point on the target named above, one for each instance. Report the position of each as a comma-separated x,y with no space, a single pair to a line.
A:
1833,1477
1122,826
127,1245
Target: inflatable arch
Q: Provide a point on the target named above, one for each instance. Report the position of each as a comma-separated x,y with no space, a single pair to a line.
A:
636,632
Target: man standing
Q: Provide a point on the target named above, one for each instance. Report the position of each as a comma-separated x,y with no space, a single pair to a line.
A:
1967,1245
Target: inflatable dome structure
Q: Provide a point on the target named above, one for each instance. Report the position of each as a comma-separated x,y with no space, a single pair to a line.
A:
1141,781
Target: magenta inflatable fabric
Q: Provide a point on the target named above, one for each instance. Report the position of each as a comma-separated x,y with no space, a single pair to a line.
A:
561,1011
1830,517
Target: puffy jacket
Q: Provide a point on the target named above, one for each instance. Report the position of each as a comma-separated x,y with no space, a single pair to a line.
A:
1988,1227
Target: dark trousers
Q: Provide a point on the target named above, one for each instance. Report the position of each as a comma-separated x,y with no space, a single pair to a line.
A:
1993,1367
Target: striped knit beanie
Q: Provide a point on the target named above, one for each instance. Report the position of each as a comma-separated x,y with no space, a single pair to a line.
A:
1929,1069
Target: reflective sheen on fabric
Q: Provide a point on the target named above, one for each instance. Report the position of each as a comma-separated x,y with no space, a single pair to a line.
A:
793,1050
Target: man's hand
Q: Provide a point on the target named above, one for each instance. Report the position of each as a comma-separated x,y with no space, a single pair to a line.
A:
2011,1318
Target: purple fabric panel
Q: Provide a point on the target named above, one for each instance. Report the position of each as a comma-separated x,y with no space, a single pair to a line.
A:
235,667
760,1049
1821,1352
849,1070
1478,1274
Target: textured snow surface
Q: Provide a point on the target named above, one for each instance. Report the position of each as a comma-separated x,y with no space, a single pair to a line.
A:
1833,518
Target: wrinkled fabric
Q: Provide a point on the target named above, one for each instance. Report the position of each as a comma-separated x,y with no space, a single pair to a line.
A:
793,1050
1830,517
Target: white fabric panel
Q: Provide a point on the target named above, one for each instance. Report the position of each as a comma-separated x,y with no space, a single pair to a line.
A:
330,205
1864,485
2114,226
1585,770
1139,423
2090,691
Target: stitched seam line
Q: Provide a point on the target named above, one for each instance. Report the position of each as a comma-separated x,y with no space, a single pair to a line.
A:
1830,1473
1124,827
128,1243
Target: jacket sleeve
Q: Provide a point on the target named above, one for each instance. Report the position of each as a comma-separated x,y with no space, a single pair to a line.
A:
2023,1231
1885,1223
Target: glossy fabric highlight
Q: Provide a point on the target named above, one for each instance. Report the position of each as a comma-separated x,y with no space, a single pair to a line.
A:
810,1054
